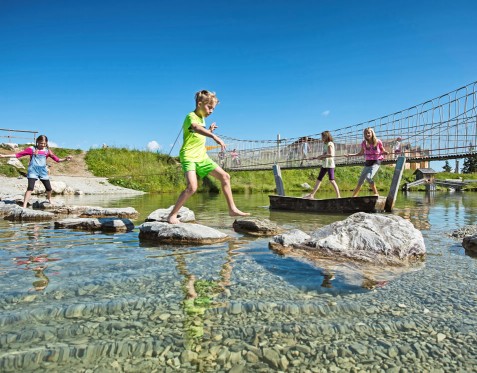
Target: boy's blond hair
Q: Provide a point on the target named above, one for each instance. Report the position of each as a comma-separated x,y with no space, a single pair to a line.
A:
206,97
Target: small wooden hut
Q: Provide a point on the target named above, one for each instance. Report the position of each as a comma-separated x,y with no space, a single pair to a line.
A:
426,174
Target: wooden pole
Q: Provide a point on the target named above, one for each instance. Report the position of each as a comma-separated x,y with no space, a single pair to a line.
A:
278,180
398,170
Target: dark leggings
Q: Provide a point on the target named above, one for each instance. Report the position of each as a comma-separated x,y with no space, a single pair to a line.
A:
31,184
324,171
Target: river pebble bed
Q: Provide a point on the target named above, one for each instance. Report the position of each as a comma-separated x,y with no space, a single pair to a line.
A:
95,302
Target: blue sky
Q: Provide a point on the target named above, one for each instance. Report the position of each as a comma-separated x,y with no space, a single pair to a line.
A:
125,72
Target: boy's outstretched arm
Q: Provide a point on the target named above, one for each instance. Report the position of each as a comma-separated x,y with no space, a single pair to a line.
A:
207,132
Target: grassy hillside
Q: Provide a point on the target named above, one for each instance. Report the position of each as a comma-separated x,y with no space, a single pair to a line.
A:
159,173
153,172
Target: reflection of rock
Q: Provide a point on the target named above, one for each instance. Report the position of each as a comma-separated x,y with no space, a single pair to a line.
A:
373,238
256,227
93,224
185,215
182,233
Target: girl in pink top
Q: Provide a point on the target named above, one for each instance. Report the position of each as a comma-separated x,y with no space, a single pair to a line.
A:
374,153
37,168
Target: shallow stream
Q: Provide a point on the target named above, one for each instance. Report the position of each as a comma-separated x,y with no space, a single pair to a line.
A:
80,301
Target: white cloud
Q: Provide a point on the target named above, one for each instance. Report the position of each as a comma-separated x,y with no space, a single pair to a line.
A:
326,113
52,144
153,146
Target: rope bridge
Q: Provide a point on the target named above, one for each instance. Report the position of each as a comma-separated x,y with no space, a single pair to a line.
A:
441,128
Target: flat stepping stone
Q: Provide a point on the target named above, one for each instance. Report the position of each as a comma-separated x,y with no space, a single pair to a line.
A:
25,214
100,212
182,233
96,224
256,227
185,215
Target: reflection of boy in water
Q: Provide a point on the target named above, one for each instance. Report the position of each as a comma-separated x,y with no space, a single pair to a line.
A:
327,277
42,281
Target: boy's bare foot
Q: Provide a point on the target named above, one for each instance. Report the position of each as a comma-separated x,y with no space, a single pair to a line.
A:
238,213
308,196
173,220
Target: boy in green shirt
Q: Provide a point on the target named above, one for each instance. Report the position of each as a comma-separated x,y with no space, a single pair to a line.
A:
194,158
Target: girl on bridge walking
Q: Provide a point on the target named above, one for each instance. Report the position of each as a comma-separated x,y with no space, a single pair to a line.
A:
194,158
328,165
374,153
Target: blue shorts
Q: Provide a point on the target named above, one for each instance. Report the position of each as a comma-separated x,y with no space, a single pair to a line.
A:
38,172
203,168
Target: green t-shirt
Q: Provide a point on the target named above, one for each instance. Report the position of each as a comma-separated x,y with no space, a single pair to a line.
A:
193,148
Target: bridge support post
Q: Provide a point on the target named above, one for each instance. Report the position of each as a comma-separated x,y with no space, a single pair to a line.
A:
278,180
398,170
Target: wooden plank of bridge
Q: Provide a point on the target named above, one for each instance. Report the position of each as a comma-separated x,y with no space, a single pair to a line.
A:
398,170
278,180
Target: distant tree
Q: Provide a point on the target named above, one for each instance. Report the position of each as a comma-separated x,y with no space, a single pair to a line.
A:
470,164
447,167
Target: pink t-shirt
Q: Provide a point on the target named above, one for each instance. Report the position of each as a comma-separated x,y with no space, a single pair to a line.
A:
373,153
44,152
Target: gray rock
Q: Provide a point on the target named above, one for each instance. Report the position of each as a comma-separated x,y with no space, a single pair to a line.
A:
57,186
468,230
15,162
100,212
185,215
95,224
182,233
470,243
256,227
24,214
370,238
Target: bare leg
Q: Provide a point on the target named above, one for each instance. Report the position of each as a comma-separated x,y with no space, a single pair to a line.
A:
356,191
191,188
224,179
315,189
26,198
337,190
48,196
375,190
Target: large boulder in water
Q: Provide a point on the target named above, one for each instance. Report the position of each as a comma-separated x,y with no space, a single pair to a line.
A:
372,238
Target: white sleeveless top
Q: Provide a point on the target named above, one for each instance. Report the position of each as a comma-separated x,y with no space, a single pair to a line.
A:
329,162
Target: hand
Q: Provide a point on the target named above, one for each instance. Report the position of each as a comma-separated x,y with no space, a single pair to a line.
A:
212,127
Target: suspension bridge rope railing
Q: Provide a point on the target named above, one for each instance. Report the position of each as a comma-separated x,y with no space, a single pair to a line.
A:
444,127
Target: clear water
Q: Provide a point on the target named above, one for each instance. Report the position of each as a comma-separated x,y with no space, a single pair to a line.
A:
80,301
